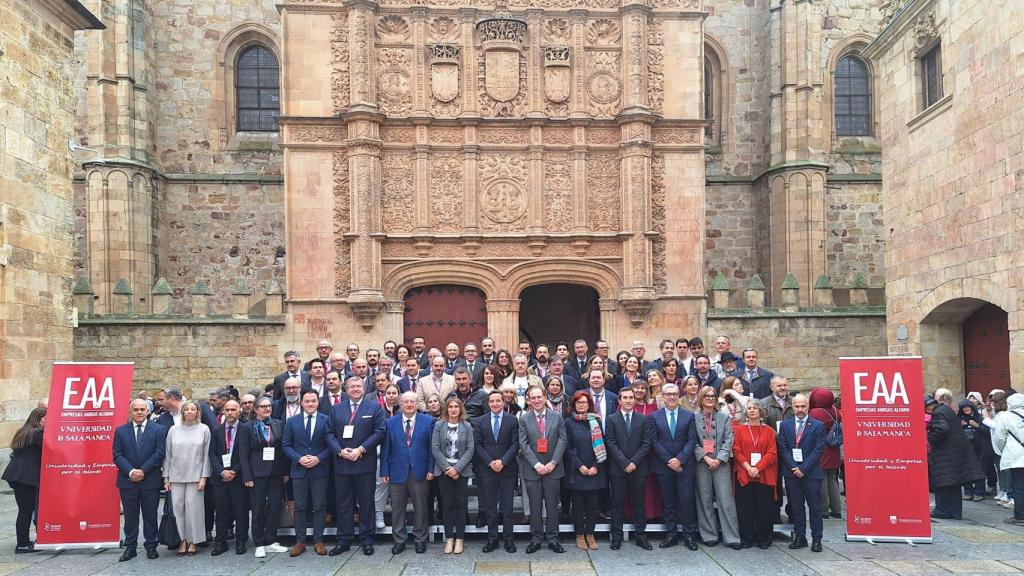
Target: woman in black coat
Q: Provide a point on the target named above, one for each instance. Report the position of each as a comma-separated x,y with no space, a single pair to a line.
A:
586,471
22,474
951,460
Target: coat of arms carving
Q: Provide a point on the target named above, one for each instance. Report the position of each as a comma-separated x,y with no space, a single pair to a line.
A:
444,72
557,73
501,39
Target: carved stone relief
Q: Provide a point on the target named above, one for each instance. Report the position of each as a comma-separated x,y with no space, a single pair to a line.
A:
446,135
677,135
603,135
398,191
503,185
603,84
397,134
394,80
658,221
446,192
925,31
339,56
342,249
499,109
655,65
503,135
686,4
603,32
444,72
558,136
557,31
393,29
558,207
503,66
444,30
557,76
311,134
603,197
360,66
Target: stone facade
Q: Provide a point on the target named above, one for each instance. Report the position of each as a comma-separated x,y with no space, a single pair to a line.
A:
36,120
953,203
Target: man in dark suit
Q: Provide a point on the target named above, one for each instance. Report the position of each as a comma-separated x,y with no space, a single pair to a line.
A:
410,375
674,465
230,496
704,373
473,363
290,404
323,352
291,370
667,348
407,466
496,441
263,468
569,383
173,399
139,455
333,395
605,403
629,436
305,444
419,351
355,430
757,381
801,444
576,366
542,445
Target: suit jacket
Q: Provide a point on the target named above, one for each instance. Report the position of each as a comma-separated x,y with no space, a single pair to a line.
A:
713,380
572,367
628,447
610,401
147,455
476,372
570,384
580,452
773,413
206,416
325,401
277,387
296,445
812,443
367,431
397,460
475,404
279,410
425,387
219,447
529,433
760,386
451,365
666,446
464,444
249,447
504,447
722,435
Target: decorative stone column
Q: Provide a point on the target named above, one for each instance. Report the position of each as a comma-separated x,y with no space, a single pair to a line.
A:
503,319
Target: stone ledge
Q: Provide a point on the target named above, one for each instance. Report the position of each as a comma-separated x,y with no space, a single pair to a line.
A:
742,313
179,320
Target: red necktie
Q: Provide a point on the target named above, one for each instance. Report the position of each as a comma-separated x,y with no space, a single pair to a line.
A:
334,399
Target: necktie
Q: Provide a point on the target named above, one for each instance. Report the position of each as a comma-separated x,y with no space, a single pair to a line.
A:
309,426
541,424
782,404
599,405
799,429
672,423
229,437
334,399
750,376
408,432
138,433
495,425
629,417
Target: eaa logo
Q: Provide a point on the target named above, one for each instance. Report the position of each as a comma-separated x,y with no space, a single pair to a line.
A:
90,395
882,392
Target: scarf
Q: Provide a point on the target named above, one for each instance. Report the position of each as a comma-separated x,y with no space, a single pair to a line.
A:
261,429
596,438
555,402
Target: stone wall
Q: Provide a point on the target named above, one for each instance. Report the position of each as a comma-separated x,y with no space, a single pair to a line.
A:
856,233
36,121
730,237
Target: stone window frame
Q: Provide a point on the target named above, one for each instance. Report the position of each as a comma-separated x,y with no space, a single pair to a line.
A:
231,47
852,46
714,60
934,50
867,113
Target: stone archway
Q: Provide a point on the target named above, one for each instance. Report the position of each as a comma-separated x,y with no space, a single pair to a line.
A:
964,343
550,313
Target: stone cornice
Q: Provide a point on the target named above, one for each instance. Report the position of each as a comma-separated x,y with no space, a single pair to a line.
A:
896,28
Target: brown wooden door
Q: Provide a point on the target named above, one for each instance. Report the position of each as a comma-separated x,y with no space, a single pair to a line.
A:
986,350
444,313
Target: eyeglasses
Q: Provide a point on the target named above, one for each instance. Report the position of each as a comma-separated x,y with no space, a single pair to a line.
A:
261,406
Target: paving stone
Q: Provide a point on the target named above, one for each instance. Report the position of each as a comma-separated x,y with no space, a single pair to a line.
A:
974,566
858,567
982,534
911,568
10,568
501,567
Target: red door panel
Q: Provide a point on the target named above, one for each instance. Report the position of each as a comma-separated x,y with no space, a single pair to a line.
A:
444,313
986,350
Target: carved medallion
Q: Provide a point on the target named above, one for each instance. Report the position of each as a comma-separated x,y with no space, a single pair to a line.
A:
503,192
503,201
392,29
444,72
557,73
393,81
501,69
557,31
603,84
603,87
443,29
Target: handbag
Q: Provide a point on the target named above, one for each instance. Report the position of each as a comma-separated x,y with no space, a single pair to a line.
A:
287,514
835,434
168,531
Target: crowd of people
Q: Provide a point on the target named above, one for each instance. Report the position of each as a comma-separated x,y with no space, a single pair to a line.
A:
710,445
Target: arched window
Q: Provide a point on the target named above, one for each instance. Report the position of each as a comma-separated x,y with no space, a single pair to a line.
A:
256,90
853,97
713,96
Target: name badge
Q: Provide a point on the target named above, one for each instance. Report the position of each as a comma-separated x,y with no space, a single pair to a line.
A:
755,457
268,454
542,446
348,431
226,460
709,447
798,455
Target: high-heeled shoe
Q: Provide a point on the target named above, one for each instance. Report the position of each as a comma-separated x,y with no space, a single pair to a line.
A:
192,550
182,548
449,545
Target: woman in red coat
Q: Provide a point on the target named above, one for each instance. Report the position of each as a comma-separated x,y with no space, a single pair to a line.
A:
823,410
755,468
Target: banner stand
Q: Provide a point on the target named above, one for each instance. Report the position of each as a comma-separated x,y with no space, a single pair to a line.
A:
79,546
875,540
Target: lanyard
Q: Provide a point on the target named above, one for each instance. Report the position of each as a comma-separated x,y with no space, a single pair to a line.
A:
753,440
353,416
803,428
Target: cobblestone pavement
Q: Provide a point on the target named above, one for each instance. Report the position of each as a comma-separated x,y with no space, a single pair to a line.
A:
979,544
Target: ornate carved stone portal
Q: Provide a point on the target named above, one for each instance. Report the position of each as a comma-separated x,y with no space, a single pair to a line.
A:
544,141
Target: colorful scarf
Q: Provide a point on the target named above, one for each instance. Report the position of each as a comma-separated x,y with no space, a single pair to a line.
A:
596,437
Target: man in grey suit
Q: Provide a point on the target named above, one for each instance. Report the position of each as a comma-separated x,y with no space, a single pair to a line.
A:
542,444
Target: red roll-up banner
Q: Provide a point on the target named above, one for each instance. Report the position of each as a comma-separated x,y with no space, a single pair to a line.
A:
885,449
79,505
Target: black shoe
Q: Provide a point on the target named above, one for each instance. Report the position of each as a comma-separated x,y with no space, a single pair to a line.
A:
26,549
219,548
711,543
816,545
532,547
746,545
231,534
736,546
367,549
555,547
205,544
797,544
490,546
669,541
510,547
240,549
152,554
421,547
616,543
481,520
642,542
398,548
128,554
764,545
341,548
690,543
836,515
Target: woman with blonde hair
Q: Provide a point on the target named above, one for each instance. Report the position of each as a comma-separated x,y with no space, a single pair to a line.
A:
186,471
452,446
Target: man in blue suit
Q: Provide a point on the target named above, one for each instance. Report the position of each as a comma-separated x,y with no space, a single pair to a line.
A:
675,468
139,456
606,402
355,429
305,444
801,444
406,464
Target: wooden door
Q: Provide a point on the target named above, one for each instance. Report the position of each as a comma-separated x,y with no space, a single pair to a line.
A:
443,313
986,339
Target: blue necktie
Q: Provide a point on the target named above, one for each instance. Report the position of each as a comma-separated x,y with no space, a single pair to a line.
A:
309,427
495,425
672,423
